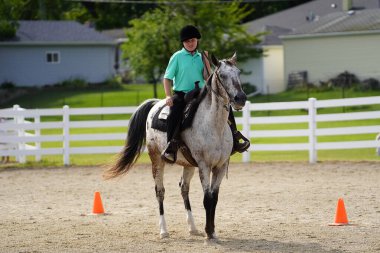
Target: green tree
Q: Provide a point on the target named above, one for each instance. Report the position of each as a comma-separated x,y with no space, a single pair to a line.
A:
153,38
10,9
42,10
150,43
7,29
108,15
8,16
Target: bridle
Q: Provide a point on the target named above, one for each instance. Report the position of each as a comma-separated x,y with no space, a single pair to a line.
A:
217,94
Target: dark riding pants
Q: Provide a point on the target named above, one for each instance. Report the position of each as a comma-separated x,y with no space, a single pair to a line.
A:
232,122
175,116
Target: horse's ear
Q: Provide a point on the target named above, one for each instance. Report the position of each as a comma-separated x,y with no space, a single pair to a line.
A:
214,60
233,59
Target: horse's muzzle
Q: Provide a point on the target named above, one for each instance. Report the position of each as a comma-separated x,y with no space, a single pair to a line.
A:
240,99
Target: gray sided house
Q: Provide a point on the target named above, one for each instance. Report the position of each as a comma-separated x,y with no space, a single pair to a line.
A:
270,73
49,52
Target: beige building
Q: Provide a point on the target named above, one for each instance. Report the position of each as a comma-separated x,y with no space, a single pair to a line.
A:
288,49
267,72
338,42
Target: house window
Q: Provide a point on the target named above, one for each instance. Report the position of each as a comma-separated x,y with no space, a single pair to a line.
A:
52,57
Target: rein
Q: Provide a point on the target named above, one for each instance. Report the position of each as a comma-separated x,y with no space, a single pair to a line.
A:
218,95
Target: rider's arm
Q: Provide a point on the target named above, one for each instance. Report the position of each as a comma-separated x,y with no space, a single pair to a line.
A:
168,91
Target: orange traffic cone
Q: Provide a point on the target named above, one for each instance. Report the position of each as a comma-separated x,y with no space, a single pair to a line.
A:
341,215
98,206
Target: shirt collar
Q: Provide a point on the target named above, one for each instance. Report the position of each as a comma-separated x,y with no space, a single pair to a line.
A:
187,52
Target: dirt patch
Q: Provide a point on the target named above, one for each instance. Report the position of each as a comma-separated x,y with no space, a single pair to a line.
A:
263,207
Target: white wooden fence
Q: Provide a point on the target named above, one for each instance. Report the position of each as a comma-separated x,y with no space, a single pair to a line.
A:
21,138
311,119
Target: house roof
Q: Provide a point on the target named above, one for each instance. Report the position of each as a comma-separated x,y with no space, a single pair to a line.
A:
343,22
292,18
273,35
115,33
57,32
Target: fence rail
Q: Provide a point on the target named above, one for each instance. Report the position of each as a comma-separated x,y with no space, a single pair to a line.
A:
20,134
312,132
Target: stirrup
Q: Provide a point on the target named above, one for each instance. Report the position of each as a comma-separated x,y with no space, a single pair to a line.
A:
169,155
240,147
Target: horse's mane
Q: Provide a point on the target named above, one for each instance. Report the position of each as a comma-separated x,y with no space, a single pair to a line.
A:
205,89
193,104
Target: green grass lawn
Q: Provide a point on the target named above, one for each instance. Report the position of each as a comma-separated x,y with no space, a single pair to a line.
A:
302,95
125,95
132,95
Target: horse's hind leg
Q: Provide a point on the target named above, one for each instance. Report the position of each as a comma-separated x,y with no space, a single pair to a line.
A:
158,175
188,173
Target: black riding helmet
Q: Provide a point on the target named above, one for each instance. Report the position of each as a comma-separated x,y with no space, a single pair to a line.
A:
189,32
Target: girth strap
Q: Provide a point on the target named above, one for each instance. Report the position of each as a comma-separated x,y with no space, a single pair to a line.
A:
187,154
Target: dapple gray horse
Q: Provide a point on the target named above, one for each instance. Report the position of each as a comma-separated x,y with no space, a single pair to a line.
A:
209,140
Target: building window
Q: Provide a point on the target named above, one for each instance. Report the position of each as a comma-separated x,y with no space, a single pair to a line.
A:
52,57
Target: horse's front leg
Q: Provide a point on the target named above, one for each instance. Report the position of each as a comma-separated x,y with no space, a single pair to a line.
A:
217,177
211,196
187,175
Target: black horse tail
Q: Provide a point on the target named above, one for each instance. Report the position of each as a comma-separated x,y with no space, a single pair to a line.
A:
134,142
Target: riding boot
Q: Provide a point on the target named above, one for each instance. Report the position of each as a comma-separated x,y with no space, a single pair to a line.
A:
241,143
173,128
170,152
240,146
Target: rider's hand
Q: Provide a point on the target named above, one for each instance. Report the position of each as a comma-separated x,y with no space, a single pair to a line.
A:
169,101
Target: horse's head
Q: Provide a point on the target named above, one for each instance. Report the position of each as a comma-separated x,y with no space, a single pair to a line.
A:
229,76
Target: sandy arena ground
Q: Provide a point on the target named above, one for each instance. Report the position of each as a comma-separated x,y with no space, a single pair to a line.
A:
263,207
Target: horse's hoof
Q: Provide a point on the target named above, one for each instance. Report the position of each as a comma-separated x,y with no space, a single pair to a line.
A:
211,241
164,235
213,236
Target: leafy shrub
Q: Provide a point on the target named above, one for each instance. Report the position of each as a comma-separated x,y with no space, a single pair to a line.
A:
114,82
7,85
7,29
345,79
370,84
76,83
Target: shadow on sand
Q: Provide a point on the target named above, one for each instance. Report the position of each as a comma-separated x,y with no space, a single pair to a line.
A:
262,245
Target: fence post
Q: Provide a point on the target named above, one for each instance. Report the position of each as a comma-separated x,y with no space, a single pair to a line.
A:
15,119
66,135
312,131
37,132
246,128
20,132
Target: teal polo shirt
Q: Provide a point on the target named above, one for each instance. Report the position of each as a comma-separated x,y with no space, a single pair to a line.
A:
185,69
